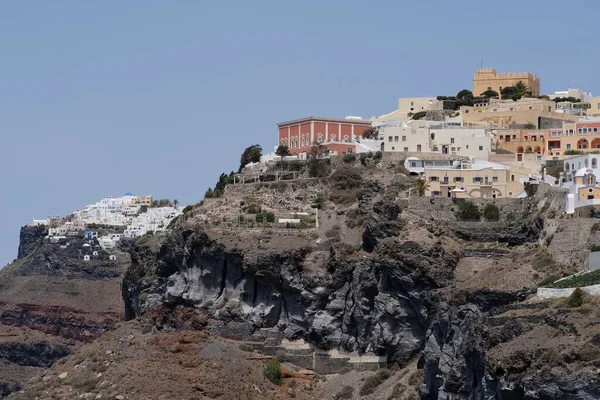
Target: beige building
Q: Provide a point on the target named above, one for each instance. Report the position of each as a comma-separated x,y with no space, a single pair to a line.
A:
594,110
478,179
407,106
435,137
538,113
488,79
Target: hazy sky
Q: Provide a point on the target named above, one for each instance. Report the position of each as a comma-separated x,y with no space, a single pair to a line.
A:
159,97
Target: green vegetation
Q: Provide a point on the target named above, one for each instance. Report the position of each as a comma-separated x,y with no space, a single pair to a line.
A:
349,158
373,381
318,167
251,154
219,189
573,152
370,133
554,168
421,186
591,278
344,394
529,125
467,211
273,371
576,299
345,185
569,99
161,203
530,189
265,217
503,151
491,212
464,95
419,115
187,209
490,93
283,151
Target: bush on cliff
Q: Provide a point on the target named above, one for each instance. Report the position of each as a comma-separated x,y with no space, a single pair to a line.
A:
373,381
273,372
491,212
576,298
468,211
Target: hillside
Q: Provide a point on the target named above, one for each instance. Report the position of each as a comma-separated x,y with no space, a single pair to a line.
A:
337,274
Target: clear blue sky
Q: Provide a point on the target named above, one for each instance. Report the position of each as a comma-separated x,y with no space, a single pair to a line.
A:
159,97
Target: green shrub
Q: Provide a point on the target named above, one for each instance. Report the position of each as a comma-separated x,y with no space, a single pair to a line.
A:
345,393
576,298
349,158
419,115
491,212
595,248
373,381
265,217
273,372
468,211
530,189
188,209
591,278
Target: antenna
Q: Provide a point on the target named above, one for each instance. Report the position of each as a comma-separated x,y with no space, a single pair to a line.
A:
481,63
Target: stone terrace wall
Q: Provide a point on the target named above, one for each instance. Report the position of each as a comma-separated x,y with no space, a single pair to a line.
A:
549,293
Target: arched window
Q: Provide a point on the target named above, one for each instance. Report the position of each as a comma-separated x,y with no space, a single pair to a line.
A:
567,167
320,138
573,167
432,135
333,138
591,180
520,149
594,163
346,139
512,178
585,162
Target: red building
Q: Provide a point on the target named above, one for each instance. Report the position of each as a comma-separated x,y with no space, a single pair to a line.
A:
337,134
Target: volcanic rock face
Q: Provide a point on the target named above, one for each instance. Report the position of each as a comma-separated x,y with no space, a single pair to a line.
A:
378,304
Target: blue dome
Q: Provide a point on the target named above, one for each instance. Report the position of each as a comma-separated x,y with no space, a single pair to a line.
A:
128,194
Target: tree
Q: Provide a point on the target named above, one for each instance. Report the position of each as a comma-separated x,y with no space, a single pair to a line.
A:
576,299
283,151
318,150
251,154
492,94
370,133
421,186
464,95
419,115
468,211
317,166
491,212
522,88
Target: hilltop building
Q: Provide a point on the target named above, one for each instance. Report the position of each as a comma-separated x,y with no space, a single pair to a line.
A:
435,137
474,179
488,79
583,135
337,134
524,113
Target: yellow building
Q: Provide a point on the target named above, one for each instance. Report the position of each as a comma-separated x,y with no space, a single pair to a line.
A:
478,179
142,201
505,113
594,110
488,79
582,136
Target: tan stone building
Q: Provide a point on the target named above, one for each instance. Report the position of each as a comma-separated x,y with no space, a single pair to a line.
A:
506,113
488,79
478,179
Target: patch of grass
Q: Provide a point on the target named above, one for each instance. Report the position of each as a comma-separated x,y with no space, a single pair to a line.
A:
345,393
272,372
592,278
373,382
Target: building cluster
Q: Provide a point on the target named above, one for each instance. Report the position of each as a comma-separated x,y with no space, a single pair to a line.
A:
126,216
487,142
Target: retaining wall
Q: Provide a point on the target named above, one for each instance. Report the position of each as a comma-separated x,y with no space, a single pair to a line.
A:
550,293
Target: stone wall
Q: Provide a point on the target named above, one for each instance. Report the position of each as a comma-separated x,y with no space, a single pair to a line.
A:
549,293
392,158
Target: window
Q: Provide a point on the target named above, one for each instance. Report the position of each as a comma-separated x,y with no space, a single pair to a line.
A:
333,138
395,138
436,193
579,131
393,148
418,147
404,138
512,178
458,179
320,138
525,138
453,149
514,137
595,130
467,146
432,135
494,179
434,179
406,149
501,137
534,138
480,148
451,140
389,138
585,130
346,139
476,179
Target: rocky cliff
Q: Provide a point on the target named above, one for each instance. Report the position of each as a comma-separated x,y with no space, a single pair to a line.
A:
51,302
